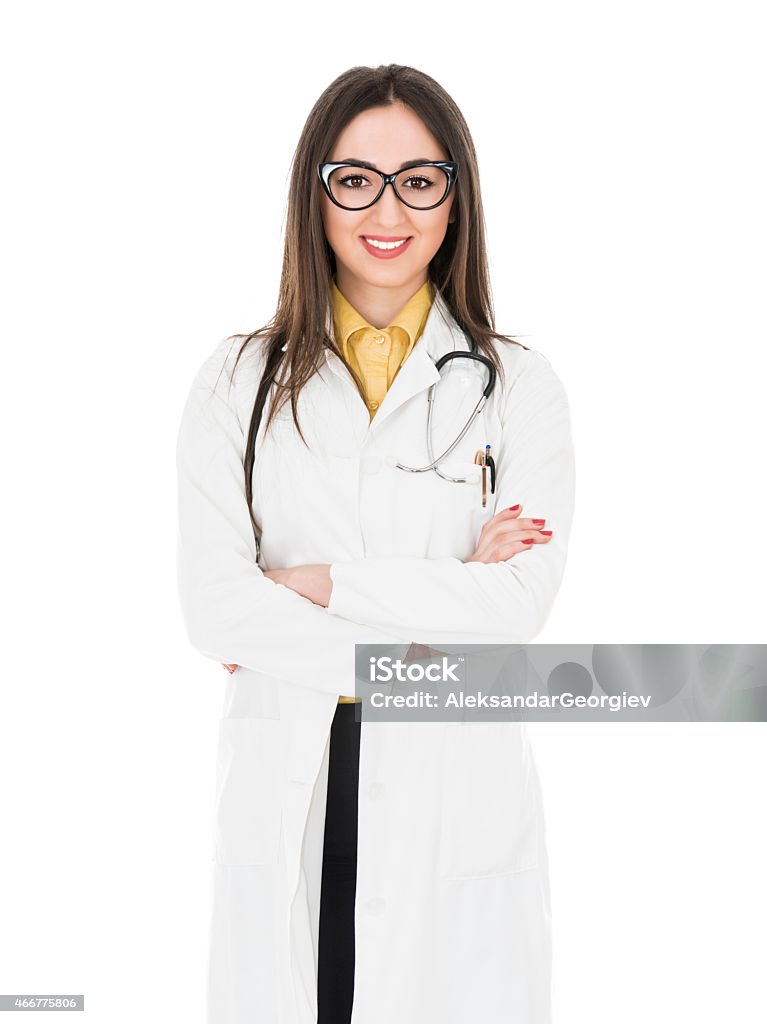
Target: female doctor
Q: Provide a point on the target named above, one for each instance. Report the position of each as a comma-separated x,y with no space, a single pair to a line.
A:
379,871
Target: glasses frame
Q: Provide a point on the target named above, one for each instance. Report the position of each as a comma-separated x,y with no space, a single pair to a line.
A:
324,170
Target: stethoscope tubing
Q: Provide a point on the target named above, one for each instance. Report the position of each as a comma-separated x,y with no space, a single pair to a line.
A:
433,465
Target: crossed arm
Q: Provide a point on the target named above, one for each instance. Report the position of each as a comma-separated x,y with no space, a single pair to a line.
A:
504,536
239,615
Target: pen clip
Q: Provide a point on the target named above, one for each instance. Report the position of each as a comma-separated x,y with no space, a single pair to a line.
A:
491,464
488,460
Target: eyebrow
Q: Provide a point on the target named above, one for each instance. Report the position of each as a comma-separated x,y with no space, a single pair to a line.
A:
365,163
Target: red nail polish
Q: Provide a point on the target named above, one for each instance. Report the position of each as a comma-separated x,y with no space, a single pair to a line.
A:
528,541
539,522
513,508
545,533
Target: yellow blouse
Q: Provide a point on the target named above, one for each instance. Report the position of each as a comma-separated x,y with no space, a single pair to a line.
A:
376,355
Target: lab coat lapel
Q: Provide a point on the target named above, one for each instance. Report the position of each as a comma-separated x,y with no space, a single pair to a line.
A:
419,371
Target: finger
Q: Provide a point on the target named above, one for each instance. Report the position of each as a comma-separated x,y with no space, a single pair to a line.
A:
506,551
506,515
524,524
507,534
528,542
508,531
501,552
510,520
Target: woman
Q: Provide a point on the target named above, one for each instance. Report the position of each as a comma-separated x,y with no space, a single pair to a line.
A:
401,865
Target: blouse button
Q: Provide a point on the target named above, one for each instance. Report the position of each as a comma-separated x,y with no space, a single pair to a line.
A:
380,339
373,404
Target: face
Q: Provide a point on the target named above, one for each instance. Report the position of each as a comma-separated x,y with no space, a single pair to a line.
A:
386,137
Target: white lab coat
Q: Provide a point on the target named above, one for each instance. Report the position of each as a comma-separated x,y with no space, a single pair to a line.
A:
452,918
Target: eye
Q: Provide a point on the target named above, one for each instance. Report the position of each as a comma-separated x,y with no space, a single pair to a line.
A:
423,183
352,178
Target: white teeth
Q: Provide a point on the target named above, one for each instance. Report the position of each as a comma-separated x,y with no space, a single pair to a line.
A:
384,245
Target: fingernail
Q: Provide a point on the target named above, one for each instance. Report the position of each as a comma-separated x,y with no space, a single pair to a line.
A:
528,541
513,508
546,533
539,522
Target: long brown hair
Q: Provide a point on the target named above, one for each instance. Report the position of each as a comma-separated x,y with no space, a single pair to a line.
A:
458,271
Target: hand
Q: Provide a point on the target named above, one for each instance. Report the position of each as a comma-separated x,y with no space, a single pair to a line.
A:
310,581
506,535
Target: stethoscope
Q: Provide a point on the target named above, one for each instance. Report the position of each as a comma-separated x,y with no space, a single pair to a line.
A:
482,458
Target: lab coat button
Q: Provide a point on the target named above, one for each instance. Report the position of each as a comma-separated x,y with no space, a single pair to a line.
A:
376,906
375,790
371,464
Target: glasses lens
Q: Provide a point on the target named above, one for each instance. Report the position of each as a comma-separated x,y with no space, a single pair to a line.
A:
356,187
422,186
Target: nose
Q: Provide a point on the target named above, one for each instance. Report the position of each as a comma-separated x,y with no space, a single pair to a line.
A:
389,208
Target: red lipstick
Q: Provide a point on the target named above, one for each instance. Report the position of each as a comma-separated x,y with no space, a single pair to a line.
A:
386,254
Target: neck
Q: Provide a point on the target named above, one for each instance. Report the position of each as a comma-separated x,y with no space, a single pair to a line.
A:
378,304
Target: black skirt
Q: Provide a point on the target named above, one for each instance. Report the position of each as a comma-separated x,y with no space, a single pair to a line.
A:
335,982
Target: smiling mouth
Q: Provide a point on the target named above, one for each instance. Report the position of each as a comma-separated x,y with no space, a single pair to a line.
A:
382,242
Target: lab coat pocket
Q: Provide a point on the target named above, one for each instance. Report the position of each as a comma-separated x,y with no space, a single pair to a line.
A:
248,815
459,505
490,804
464,468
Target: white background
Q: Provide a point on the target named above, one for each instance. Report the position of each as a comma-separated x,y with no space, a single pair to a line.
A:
146,155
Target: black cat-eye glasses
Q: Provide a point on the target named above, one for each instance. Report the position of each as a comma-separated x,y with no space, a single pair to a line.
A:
357,185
